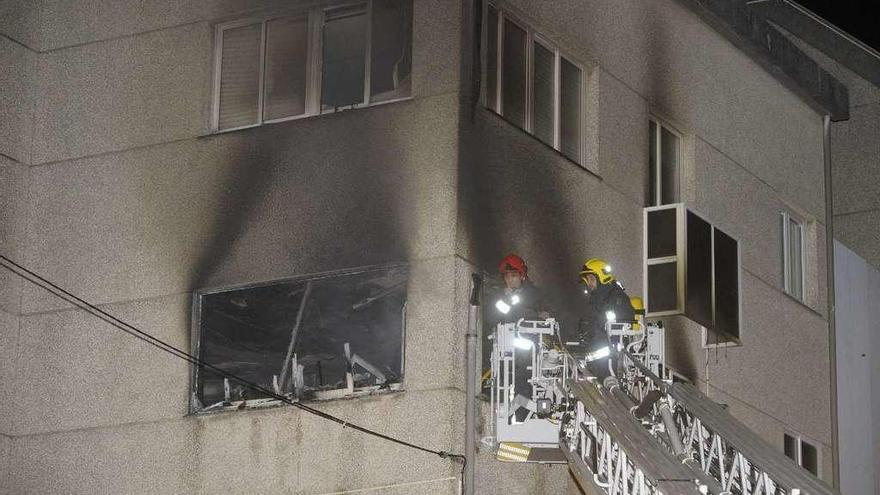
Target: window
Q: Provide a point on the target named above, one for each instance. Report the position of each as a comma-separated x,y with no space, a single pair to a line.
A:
802,452
692,268
311,62
320,337
792,256
663,165
533,85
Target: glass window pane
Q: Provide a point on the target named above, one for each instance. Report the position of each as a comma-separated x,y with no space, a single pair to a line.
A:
796,259
783,218
698,295
809,458
662,287
790,447
544,89
240,76
345,32
391,46
492,59
248,332
652,165
726,285
513,78
286,61
668,166
570,110
662,238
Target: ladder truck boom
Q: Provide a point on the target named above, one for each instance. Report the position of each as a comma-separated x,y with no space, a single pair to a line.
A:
637,432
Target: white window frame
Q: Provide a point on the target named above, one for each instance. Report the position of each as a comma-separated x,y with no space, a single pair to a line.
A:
532,37
680,260
314,65
787,219
657,200
799,451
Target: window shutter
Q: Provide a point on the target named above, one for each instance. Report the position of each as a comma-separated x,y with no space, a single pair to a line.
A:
240,76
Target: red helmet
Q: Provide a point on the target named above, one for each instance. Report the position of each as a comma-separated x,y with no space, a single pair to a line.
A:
514,263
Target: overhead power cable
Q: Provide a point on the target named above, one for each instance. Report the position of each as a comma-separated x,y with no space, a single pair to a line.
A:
99,313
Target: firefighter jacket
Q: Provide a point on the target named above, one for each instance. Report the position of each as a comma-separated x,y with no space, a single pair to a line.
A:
604,299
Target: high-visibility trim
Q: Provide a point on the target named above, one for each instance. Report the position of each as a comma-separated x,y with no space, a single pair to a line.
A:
515,452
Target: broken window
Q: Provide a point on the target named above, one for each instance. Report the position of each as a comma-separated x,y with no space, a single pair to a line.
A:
313,338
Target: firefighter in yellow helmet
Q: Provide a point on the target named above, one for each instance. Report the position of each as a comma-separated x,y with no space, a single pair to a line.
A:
607,301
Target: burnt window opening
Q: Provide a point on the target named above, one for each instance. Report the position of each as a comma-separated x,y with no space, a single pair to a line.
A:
314,338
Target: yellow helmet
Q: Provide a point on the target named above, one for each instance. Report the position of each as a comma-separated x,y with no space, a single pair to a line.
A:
598,267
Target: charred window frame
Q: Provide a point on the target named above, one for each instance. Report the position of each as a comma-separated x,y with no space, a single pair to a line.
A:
793,254
311,62
802,452
533,84
318,337
692,268
664,164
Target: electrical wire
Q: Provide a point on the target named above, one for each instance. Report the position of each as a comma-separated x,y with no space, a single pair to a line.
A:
71,298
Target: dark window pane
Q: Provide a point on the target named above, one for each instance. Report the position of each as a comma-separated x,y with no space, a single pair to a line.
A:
286,61
661,233
726,285
809,458
248,332
570,110
544,87
795,259
240,76
698,286
662,283
391,42
790,447
513,78
343,57
652,165
668,166
492,59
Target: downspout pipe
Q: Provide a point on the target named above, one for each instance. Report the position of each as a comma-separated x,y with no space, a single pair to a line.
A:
470,439
832,308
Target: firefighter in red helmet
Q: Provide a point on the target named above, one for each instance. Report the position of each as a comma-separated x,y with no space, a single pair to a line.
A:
518,298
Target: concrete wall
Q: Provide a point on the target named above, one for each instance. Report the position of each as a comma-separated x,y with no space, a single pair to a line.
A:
855,159
750,149
857,286
134,206
130,203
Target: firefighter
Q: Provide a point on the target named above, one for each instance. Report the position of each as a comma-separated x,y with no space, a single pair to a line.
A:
607,301
518,298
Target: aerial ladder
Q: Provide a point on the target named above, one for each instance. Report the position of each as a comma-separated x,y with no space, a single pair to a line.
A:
638,432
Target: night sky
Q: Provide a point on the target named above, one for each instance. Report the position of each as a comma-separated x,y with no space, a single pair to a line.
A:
859,18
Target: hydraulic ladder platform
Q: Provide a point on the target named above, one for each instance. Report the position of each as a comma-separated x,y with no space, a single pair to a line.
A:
637,432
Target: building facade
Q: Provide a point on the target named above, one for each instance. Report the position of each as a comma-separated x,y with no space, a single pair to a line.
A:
137,171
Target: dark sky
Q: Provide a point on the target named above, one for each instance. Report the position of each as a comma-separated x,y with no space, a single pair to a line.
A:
860,18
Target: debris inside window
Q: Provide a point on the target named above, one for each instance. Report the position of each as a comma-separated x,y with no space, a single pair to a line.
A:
323,337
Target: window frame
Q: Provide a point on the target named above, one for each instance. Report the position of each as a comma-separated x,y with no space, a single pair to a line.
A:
316,17
680,259
787,218
195,335
657,200
800,440
533,36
